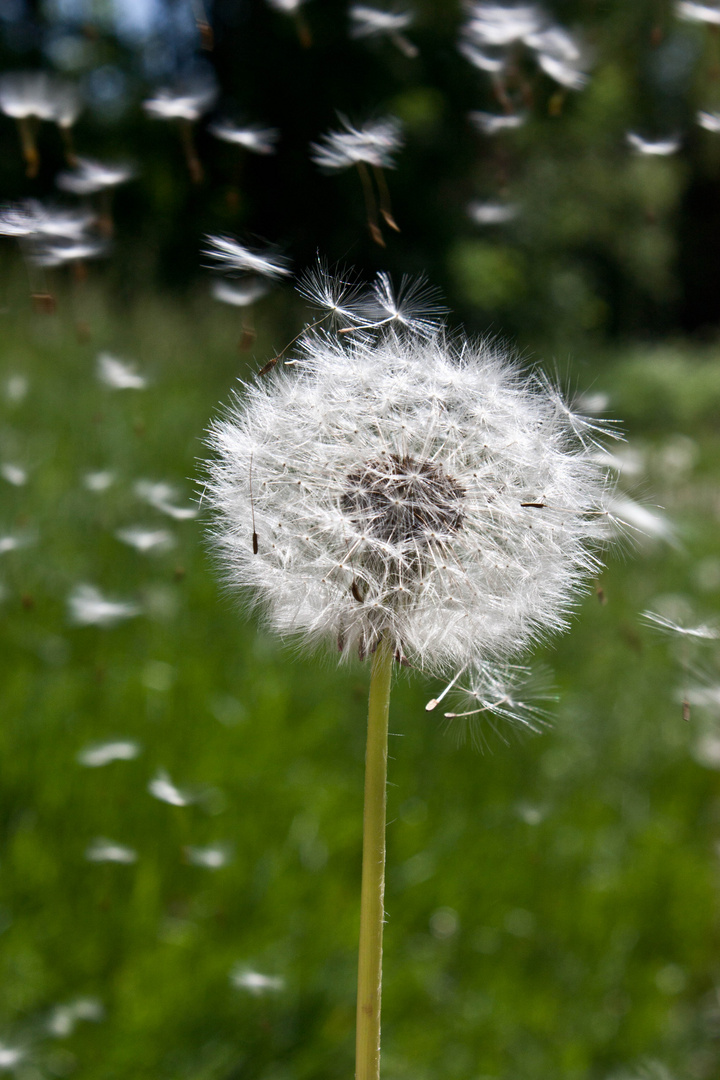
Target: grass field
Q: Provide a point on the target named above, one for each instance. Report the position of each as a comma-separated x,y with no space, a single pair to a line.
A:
552,902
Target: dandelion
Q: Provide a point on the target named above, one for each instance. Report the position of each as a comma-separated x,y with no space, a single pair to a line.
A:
102,850
99,481
366,21
88,607
118,374
373,144
653,147
660,622
99,754
407,496
185,104
241,293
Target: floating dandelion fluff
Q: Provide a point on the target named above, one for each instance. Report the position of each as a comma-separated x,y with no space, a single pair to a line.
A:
368,22
99,754
258,138
88,607
185,104
102,850
374,144
162,788
653,147
255,982
403,495
118,374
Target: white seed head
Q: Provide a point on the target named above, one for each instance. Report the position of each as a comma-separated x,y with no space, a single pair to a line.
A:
39,94
407,487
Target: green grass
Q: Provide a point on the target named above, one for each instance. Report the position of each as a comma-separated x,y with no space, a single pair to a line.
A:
551,903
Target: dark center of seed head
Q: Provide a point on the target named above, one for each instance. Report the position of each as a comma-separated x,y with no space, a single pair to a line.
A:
401,500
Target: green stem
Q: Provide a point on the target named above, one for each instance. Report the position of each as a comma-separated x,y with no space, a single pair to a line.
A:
367,1045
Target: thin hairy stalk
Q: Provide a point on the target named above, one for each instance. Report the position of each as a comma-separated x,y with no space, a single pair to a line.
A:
191,158
370,204
367,1045
384,191
26,130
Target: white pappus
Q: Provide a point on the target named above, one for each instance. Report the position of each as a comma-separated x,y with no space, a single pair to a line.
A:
414,488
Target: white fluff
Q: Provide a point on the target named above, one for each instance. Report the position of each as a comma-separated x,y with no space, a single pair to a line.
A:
415,488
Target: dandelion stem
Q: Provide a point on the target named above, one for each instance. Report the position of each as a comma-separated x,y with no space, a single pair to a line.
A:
367,1056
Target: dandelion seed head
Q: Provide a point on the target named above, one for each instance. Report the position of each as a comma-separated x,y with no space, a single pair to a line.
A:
405,486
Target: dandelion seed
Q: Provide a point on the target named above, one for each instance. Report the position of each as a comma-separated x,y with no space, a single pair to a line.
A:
89,177
241,293
372,144
483,61
496,25
34,219
702,697
100,754
653,147
160,496
99,481
706,751
64,1018
88,607
366,21
709,121
11,543
229,254
33,96
118,374
185,102
492,213
14,474
257,138
210,858
16,388
694,12
10,1056
102,850
704,631
562,72
47,254
644,522
492,124
256,983
162,788
146,540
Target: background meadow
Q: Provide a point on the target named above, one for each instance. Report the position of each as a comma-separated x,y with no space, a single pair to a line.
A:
190,909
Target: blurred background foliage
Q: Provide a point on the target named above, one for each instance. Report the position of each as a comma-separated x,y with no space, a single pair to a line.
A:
552,904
